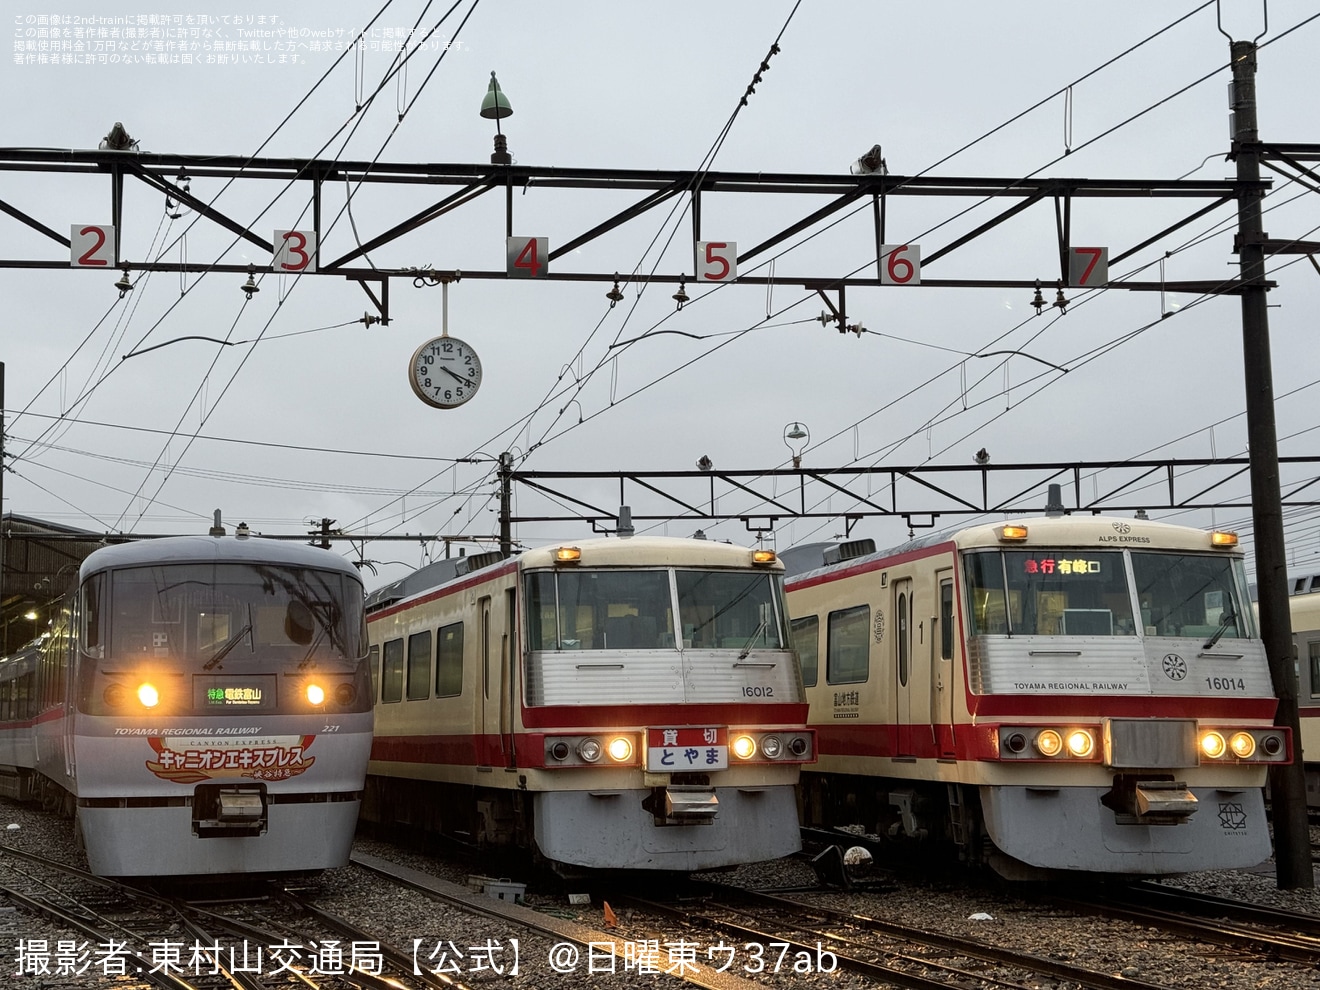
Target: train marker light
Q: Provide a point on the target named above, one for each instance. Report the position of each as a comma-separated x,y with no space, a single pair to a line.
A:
1221,539
559,750
744,747
1081,743
620,749
589,750
1016,743
315,694
568,555
148,695
1049,742
763,557
1272,745
798,746
1213,745
1012,533
115,695
345,694
1243,745
772,747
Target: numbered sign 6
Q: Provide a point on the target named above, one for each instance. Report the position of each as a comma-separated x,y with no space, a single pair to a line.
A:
1088,266
92,245
528,257
717,261
295,251
900,264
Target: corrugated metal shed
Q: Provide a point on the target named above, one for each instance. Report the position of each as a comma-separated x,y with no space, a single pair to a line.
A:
38,563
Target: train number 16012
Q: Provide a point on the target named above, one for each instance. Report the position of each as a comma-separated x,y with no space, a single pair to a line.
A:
1225,684
757,691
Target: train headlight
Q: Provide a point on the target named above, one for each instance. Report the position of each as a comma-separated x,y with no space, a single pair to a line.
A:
1081,743
148,695
1213,745
620,749
744,747
1049,742
315,694
1243,745
772,747
115,695
589,750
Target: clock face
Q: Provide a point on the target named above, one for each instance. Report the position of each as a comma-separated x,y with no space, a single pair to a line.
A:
445,372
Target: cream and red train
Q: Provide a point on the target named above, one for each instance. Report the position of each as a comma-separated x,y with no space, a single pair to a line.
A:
1304,608
201,705
1064,693
628,703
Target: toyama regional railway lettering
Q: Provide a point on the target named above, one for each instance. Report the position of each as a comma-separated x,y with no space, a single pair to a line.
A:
1070,685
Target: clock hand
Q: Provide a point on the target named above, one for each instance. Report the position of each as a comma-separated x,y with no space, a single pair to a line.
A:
455,374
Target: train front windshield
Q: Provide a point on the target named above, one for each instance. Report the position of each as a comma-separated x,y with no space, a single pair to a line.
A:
606,610
222,616
1047,592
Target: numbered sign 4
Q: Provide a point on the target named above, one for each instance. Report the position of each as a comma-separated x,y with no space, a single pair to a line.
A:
717,261
528,257
295,251
92,245
1088,266
900,264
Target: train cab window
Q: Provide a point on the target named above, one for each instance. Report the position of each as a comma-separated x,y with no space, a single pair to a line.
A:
449,661
806,640
1049,592
419,666
391,681
946,619
1192,595
848,649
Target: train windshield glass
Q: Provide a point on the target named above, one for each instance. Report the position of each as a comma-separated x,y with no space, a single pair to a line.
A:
729,609
223,616
1186,594
1045,592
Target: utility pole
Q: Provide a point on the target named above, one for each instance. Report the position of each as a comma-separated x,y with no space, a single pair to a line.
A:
1292,844
506,504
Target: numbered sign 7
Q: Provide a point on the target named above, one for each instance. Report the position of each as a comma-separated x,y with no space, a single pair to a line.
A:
900,264
528,257
1088,266
717,261
295,251
92,245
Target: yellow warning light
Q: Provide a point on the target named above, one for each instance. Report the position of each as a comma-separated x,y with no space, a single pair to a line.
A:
1243,745
763,557
620,749
744,747
568,555
1049,742
1213,745
1011,532
1221,539
148,695
1081,744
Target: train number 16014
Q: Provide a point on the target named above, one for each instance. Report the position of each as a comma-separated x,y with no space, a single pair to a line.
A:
1225,684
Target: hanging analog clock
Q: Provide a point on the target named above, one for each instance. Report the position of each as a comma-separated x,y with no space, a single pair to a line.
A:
445,372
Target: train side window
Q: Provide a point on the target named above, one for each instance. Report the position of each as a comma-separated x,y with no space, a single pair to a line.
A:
373,661
419,666
946,620
449,661
904,637
1313,652
391,681
848,650
806,640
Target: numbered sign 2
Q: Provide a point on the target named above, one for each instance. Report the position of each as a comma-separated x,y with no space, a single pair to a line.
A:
92,245
295,251
1088,266
900,264
528,257
717,261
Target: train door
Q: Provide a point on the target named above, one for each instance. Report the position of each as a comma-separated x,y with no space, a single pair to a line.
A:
902,591
943,636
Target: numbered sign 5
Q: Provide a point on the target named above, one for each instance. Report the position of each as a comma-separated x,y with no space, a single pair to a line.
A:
717,261
295,251
528,257
92,245
1088,266
900,264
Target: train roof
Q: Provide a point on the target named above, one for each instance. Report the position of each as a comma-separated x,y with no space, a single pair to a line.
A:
206,549
1042,531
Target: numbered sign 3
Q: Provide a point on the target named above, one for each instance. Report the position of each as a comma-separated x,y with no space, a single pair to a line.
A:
92,245
900,264
295,251
528,257
1088,266
717,261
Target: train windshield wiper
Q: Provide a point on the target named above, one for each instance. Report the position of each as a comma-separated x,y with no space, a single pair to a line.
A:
223,652
1227,620
747,648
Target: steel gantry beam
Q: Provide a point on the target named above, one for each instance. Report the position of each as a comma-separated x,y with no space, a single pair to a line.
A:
170,175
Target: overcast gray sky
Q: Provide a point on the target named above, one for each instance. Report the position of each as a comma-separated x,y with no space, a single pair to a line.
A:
609,85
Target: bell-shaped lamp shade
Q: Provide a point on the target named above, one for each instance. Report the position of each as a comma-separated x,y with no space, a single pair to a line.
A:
496,105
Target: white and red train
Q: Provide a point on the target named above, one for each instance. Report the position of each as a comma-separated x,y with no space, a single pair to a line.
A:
1304,608
201,705
624,703
1064,693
